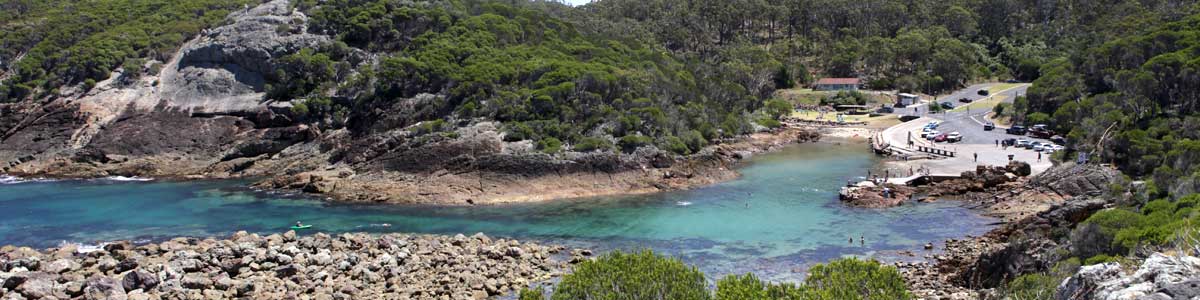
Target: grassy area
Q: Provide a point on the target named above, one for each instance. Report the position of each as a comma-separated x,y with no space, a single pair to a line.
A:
879,121
1002,86
802,96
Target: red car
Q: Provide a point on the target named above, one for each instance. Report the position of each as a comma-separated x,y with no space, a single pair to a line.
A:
940,138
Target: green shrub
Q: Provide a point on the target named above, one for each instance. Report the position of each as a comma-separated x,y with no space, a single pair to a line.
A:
633,276
550,145
1032,287
851,279
629,143
675,145
428,127
1099,259
1000,108
531,294
88,84
848,279
588,144
749,287
769,122
777,108
1155,225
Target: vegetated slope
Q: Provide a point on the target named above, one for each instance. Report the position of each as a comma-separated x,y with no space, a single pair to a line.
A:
544,80
395,90
1131,101
48,45
928,46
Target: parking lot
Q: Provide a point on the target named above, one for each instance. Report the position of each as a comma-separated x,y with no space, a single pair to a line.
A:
976,142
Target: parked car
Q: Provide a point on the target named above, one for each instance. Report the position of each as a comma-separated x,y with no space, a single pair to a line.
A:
931,135
1023,143
1058,139
989,126
1036,146
1008,142
928,133
1040,131
940,137
954,137
965,100
933,125
983,92
1015,130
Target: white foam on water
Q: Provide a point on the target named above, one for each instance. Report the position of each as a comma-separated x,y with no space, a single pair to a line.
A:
683,203
123,178
9,179
83,248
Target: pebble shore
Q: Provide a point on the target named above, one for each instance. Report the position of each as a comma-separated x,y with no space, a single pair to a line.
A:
284,266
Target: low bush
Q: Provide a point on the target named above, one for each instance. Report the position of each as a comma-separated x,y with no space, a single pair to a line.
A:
633,276
644,275
1154,224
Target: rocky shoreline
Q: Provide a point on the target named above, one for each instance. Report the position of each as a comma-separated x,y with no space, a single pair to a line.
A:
570,175
1030,210
285,266
506,178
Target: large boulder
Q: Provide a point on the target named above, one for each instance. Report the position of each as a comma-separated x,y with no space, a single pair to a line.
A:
104,288
139,279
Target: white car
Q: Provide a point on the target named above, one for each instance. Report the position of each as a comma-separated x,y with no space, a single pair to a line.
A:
954,137
1022,143
931,134
1038,147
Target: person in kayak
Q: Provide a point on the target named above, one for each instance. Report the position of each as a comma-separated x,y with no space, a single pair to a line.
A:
298,225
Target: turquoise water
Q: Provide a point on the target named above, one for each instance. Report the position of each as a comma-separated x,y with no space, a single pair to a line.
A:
779,217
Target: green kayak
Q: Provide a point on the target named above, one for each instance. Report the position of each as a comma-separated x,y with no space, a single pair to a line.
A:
301,227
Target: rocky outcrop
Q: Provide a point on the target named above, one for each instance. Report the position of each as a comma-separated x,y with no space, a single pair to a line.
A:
225,70
1035,212
1070,179
283,266
1160,277
870,195
982,179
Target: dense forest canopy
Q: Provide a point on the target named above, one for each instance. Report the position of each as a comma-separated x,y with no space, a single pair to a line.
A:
1117,76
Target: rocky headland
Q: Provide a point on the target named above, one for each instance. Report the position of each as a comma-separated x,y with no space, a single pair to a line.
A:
284,266
204,115
1032,210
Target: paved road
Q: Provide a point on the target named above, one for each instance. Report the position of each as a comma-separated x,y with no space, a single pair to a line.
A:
970,124
976,141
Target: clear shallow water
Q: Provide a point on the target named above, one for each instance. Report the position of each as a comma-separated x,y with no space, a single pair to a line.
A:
780,217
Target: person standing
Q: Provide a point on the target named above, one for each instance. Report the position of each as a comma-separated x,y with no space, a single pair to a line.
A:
1039,157
976,157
